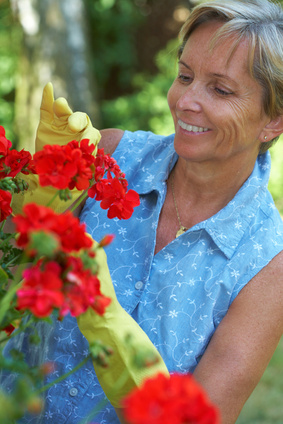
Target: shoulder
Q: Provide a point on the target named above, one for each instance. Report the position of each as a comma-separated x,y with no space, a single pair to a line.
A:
264,293
132,144
110,138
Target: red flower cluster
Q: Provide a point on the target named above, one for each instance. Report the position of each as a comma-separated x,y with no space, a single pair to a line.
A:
65,227
175,400
5,204
73,165
64,285
11,161
62,281
66,166
112,191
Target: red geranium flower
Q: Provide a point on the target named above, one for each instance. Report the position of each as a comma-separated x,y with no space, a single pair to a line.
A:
62,284
16,162
11,161
66,166
5,144
66,227
112,191
175,400
81,290
114,197
41,291
52,166
5,204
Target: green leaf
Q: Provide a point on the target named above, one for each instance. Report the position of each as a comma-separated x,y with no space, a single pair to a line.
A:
3,276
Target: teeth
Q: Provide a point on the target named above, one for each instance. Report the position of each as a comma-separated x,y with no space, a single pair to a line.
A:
191,128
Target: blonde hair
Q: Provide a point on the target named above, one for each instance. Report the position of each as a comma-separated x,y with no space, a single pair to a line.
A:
260,22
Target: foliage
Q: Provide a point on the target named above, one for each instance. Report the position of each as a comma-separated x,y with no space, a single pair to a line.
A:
276,175
113,26
10,36
147,107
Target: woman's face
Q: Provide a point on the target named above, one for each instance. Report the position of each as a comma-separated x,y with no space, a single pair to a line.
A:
215,103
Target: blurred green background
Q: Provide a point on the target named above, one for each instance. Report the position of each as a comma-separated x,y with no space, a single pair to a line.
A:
115,60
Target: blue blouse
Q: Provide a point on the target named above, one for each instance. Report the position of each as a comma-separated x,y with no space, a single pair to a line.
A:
178,296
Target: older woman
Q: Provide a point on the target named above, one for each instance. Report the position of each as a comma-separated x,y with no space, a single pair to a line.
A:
199,265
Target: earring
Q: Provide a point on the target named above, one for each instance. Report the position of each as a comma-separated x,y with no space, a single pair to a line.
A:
265,137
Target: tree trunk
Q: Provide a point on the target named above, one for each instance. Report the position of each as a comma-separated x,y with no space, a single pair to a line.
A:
55,48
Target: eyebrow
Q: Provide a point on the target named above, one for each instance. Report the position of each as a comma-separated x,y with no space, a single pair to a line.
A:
212,74
223,76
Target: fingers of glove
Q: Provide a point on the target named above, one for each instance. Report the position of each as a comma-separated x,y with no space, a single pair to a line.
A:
46,107
61,108
62,111
78,122
92,134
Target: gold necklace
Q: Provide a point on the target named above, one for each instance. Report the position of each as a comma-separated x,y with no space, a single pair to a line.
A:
182,229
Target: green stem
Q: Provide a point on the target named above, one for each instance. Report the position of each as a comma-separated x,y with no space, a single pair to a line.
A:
6,300
13,260
62,377
12,235
53,198
16,283
2,225
79,200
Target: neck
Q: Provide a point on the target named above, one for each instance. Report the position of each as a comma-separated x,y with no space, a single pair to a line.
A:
201,190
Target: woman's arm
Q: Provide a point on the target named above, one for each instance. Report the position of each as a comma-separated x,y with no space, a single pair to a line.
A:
244,342
110,138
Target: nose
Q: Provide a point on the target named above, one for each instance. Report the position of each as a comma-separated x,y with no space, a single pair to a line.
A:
190,99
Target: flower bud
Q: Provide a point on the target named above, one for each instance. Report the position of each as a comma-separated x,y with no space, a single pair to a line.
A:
8,184
43,243
35,405
106,240
47,368
65,194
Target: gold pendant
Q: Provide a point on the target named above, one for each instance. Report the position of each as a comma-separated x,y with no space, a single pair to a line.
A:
181,231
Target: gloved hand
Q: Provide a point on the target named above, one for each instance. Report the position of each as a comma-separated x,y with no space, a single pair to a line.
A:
111,329
57,125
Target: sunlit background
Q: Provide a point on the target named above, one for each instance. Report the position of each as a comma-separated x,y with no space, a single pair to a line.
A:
115,60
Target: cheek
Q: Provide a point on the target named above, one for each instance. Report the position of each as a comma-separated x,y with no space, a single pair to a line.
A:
170,97
235,122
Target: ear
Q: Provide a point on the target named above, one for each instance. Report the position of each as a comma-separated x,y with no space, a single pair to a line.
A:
273,129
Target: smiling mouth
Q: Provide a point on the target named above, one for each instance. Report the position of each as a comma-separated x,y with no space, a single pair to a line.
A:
191,128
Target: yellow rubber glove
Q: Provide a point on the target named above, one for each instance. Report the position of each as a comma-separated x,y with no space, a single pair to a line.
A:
57,125
112,329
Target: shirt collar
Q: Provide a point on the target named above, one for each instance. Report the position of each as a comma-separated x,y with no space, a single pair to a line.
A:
228,226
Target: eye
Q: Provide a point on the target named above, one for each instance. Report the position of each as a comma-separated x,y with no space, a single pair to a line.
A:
222,92
184,78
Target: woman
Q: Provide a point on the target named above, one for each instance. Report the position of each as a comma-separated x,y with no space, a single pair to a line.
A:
199,265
